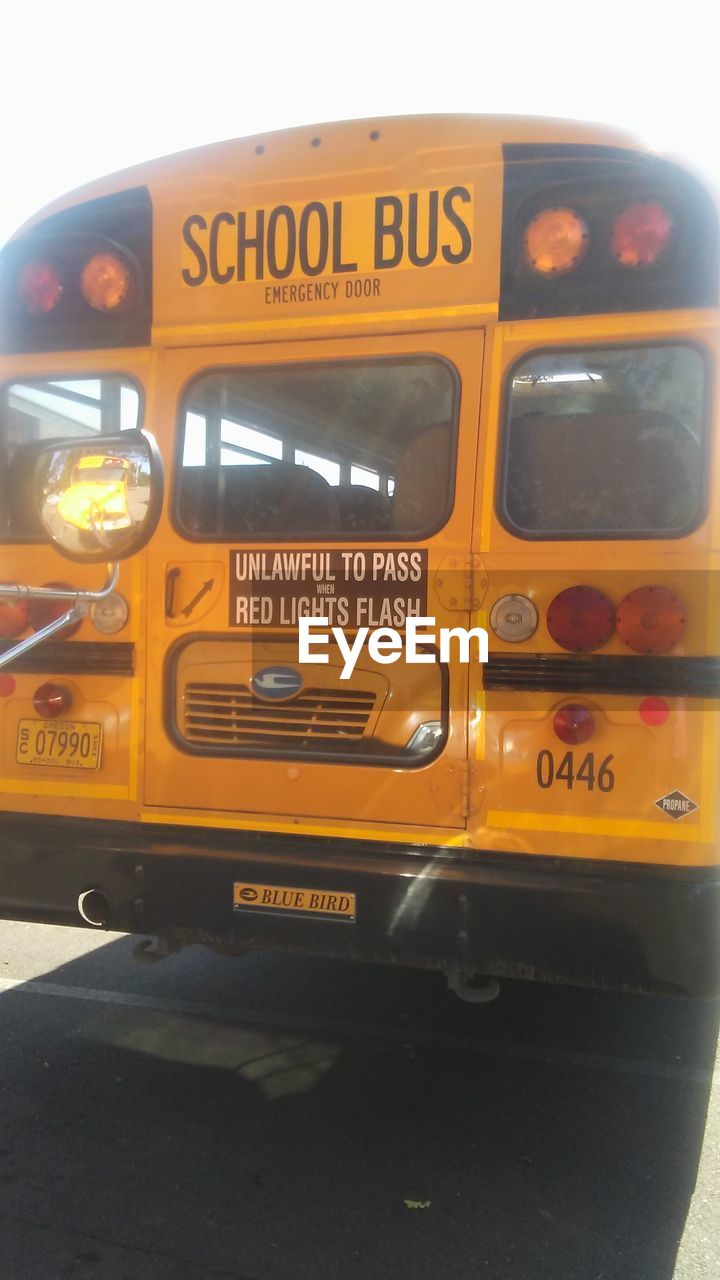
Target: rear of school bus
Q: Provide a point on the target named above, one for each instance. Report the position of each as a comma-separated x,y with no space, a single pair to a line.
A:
436,368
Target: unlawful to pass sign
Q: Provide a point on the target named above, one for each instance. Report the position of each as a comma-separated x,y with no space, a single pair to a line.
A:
367,587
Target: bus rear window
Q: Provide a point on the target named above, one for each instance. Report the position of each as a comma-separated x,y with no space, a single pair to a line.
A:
354,449
605,443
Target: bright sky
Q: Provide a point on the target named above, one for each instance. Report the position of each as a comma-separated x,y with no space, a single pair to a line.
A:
88,87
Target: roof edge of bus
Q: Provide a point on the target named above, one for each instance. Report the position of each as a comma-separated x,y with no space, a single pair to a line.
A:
500,129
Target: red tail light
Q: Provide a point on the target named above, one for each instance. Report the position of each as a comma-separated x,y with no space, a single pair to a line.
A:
14,616
50,700
641,234
651,620
581,619
40,287
573,724
43,612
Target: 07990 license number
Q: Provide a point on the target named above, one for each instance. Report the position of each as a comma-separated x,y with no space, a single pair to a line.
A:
588,773
72,744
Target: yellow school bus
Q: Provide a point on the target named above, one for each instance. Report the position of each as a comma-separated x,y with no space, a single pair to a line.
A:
374,382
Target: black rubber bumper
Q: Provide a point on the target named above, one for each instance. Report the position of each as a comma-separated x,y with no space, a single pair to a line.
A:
619,926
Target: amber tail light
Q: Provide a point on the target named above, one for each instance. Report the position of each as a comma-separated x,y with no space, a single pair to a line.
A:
651,619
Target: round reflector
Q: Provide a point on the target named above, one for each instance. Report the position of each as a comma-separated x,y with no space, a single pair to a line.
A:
651,620
513,618
106,281
43,612
556,241
654,711
50,700
573,724
641,234
40,287
581,619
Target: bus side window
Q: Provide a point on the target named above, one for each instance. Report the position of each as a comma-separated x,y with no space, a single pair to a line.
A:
20,505
602,472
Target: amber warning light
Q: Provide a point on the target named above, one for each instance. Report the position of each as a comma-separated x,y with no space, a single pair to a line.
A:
556,241
106,282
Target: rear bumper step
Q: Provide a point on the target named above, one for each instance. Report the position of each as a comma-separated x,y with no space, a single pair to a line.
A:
618,926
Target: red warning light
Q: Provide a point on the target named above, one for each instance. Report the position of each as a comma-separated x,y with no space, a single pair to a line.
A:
40,287
641,234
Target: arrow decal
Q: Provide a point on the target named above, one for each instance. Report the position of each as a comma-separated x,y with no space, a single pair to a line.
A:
206,586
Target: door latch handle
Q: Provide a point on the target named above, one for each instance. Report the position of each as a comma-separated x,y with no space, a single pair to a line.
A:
171,579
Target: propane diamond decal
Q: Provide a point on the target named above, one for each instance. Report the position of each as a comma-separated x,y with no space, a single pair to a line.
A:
676,805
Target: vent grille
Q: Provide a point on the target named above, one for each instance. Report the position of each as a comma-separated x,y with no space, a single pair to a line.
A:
229,715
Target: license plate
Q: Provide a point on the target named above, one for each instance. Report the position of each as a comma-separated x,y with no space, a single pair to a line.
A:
69,744
333,905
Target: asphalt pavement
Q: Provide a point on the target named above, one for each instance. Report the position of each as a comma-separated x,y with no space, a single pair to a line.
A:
285,1118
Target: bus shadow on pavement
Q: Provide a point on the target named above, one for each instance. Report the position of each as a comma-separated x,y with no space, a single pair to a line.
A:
183,1123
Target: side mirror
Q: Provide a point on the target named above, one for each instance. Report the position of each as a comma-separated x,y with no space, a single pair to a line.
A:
100,500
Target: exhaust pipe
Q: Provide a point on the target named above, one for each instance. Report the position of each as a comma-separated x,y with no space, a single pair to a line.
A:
475,988
94,908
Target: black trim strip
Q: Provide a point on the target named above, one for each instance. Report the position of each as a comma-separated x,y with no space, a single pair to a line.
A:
603,673
71,658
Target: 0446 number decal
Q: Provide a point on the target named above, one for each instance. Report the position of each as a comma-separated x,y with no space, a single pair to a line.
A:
588,773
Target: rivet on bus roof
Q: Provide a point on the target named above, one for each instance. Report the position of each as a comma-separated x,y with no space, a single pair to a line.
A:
316,142
259,149
374,135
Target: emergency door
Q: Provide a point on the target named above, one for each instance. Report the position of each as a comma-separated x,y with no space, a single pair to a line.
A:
308,478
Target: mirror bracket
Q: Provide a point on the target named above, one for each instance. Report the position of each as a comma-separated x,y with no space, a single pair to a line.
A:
78,601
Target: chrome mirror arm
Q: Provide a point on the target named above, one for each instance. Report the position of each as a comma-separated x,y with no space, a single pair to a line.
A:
79,602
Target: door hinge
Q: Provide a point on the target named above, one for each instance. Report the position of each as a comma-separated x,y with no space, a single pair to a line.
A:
468,797
461,582
476,582
455,789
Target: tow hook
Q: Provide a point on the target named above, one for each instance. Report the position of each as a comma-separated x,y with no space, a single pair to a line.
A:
475,988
